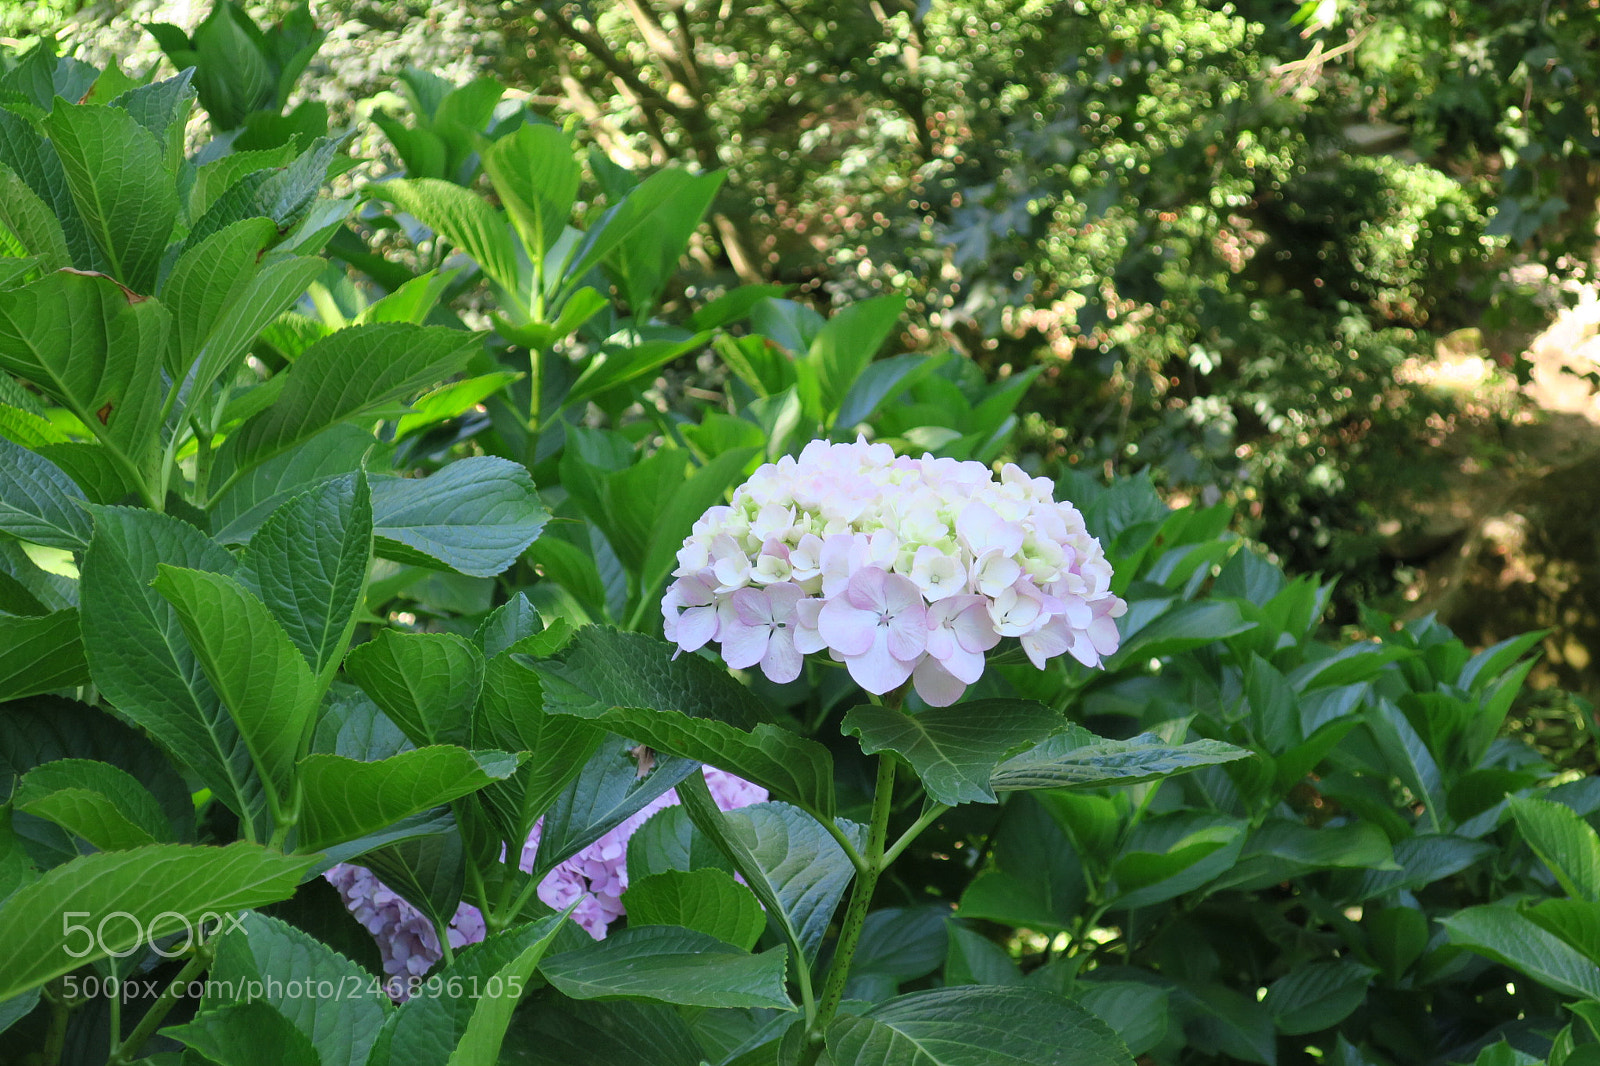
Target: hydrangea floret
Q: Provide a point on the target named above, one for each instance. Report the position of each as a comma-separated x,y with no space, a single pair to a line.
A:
595,878
899,568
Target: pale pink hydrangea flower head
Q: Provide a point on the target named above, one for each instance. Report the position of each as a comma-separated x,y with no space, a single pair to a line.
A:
899,568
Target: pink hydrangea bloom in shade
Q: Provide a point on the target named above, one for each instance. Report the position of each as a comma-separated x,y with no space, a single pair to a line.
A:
595,877
851,550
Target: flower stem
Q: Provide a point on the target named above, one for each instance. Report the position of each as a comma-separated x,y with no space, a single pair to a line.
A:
856,915
129,1048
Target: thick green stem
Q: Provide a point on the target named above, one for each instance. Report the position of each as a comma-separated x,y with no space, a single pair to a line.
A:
856,915
128,1050
55,1036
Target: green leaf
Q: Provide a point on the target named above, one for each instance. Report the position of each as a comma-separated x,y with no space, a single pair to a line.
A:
118,175
350,374
144,666
607,790
102,804
704,487
1037,877
1423,859
476,516
975,1026
1168,855
428,683
246,1034
644,260
1136,1011
264,953
512,621
452,400
464,1026
795,868
668,840
709,901
551,1030
222,297
536,177
163,888
974,959
1511,938
28,225
39,503
308,564
672,191
670,965
461,217
426,869
1408,757
78,338
262,679
1188,625
632,685
846,344
1564,842
1079,759
345,799
1317,995
237,513
510,715
900,944
40,654
954,750
617,364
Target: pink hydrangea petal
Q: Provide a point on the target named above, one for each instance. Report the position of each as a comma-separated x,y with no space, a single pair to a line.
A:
846,629
743,646
1048,642
936,685
877,670
908,632
696,627
782,661
866,589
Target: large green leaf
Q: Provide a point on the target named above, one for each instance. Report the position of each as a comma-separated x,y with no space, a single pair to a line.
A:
844,347
102,804
670,965
39,503
118,175
510,716
262,955
461,217
237,513
666,192
551,1030
25,150
143,664
1185,626
1515,940
1423,859
1136,1011
476,516
975,1026
262,679
345,799
352,373
648,254
28,225
40,654
709,901
308,564
163,889
536,177
1079,759
79,339
954,750
633,685
607,790
796,869
255,1033
1317,995
1565,842
428,683
461,1019
221,296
